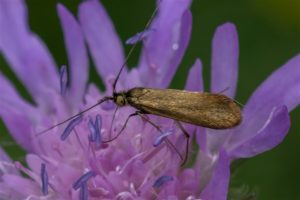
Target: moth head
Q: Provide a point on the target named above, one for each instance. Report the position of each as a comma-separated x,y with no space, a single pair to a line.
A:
120,99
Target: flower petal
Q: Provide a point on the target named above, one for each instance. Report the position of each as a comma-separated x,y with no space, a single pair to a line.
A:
13,110
6,166
105,46
225,54
16,186
269,136
189,181
217,187
22,132
164,48
26,53
77,55
9,94
281,88
194,81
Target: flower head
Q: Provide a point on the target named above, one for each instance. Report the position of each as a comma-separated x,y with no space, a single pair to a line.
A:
73,162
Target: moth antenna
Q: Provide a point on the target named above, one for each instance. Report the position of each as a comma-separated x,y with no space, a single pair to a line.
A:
224,90
239,103
133,47
235,101
74,116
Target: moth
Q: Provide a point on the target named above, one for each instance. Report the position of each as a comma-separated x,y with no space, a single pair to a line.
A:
210,110
204,109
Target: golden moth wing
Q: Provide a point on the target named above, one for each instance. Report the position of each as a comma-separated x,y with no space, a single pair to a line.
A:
215,111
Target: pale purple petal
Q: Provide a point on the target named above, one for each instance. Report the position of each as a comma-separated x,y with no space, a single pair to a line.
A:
189,180
194,81
22,132
164,48
225,55
217,187
204,167
26,53
216,139
19,189
11,96
14,110
6,165
201,138
34,162
104,44
77,55
270,135
281,88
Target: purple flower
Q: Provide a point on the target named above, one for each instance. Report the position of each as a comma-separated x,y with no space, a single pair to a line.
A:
129,167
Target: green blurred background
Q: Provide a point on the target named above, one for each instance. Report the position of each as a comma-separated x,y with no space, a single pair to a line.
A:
269,35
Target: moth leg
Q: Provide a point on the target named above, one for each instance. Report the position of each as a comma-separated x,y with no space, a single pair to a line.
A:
112,121
143,116
122,129
187,135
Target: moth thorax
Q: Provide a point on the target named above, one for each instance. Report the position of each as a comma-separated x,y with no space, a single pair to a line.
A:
120,99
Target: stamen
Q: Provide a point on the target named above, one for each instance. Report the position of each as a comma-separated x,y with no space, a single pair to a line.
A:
162,180
98,124
83,179
74,122
83,193
95,130
161,138
63,80
44,178
139,36
92,135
